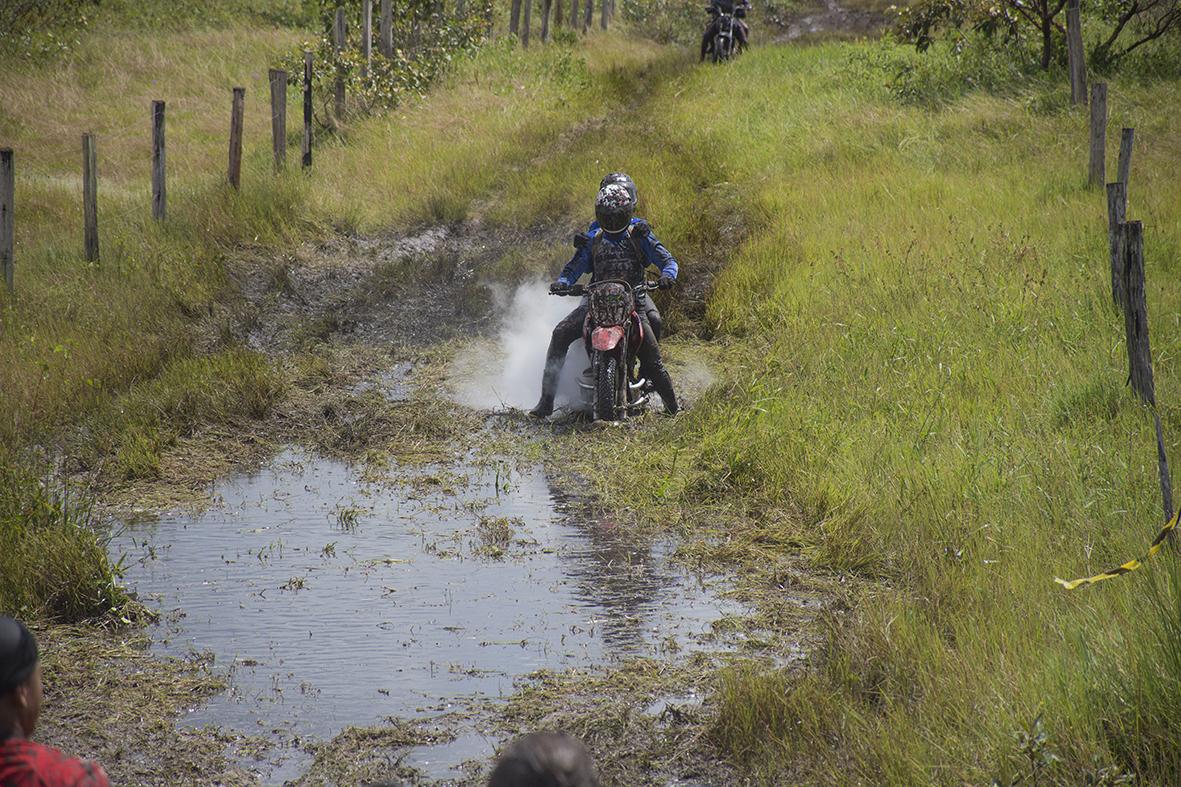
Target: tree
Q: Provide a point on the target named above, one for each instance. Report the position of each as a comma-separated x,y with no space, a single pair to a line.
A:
1132,24
1009,20
1144,20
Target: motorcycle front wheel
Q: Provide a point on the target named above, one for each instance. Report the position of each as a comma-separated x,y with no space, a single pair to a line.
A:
606,388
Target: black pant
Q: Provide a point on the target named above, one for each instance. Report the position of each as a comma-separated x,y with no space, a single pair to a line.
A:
569,330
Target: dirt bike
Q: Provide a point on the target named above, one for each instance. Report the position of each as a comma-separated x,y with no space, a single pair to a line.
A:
612,334
724,43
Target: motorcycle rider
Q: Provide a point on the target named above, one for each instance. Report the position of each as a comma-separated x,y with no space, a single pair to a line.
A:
738,9
666,258
617,249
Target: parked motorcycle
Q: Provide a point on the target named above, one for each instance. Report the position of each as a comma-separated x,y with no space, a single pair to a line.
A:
612,334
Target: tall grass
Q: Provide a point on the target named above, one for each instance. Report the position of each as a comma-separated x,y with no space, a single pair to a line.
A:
926,383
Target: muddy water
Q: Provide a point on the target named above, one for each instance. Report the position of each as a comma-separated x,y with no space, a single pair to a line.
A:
334,598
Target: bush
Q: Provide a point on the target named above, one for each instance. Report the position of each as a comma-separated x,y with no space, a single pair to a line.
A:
425,44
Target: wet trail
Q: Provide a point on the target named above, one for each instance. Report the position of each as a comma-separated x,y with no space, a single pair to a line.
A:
333,599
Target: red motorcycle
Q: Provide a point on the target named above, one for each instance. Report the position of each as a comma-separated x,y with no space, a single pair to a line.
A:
613,333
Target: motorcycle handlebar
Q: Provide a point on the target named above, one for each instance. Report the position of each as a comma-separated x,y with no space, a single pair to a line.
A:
579,290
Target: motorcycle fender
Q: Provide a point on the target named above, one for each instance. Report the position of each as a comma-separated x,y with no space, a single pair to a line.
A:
604,339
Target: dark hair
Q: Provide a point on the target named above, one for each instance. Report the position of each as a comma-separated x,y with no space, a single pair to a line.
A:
545,759
18,654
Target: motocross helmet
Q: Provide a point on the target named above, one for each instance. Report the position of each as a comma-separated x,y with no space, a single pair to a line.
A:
623,179
614,208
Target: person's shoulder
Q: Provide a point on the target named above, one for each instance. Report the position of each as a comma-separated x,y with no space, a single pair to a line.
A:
38,764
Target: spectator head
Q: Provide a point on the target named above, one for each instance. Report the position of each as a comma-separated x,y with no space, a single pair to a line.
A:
20,679
545,759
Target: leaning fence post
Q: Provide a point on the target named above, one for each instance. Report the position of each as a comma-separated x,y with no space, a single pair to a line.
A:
278,79
7,193
1139,351
307,109
1075,56
90,197
1126,137
236,112
366,37
159,185
1116,215
338,36
1097,173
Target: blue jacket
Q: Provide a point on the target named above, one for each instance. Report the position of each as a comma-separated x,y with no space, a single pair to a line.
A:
655,252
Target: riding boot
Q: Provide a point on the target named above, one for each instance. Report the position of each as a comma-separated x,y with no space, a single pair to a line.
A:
544,407
664,387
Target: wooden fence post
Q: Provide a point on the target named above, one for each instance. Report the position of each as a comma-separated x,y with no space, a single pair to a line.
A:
159,184
574,15
1136,312
545,9
1139,351
588,15
338,36
559,15
514,20
307,109
526,23
1116,216
460,8
1075,55
7,189
604,10
236,113
278,79
1097,172
366,37
1126,137
90,196
387,29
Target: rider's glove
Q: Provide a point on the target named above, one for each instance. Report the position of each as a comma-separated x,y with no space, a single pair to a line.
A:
559,286
666,282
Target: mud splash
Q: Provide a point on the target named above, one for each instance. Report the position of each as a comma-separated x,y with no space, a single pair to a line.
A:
336,595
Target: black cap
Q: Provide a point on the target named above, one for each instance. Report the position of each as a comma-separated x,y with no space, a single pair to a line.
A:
18,654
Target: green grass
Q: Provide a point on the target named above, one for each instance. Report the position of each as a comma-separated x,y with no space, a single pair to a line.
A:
925,381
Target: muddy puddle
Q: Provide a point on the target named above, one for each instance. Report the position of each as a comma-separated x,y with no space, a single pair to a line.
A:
332,595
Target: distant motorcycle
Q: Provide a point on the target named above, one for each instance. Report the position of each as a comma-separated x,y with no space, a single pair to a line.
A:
724,45
611,386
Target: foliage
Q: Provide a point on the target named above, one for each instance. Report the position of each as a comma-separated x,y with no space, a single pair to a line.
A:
667,20
42,27
53,565
426,42
1144,20
946,73
38,29
1014,26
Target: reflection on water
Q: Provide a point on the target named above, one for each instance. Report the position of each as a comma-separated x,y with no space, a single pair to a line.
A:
338,601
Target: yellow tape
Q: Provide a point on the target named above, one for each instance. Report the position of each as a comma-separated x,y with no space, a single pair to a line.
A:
1131,565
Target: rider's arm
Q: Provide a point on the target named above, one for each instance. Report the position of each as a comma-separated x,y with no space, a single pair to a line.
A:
658,255
579,264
